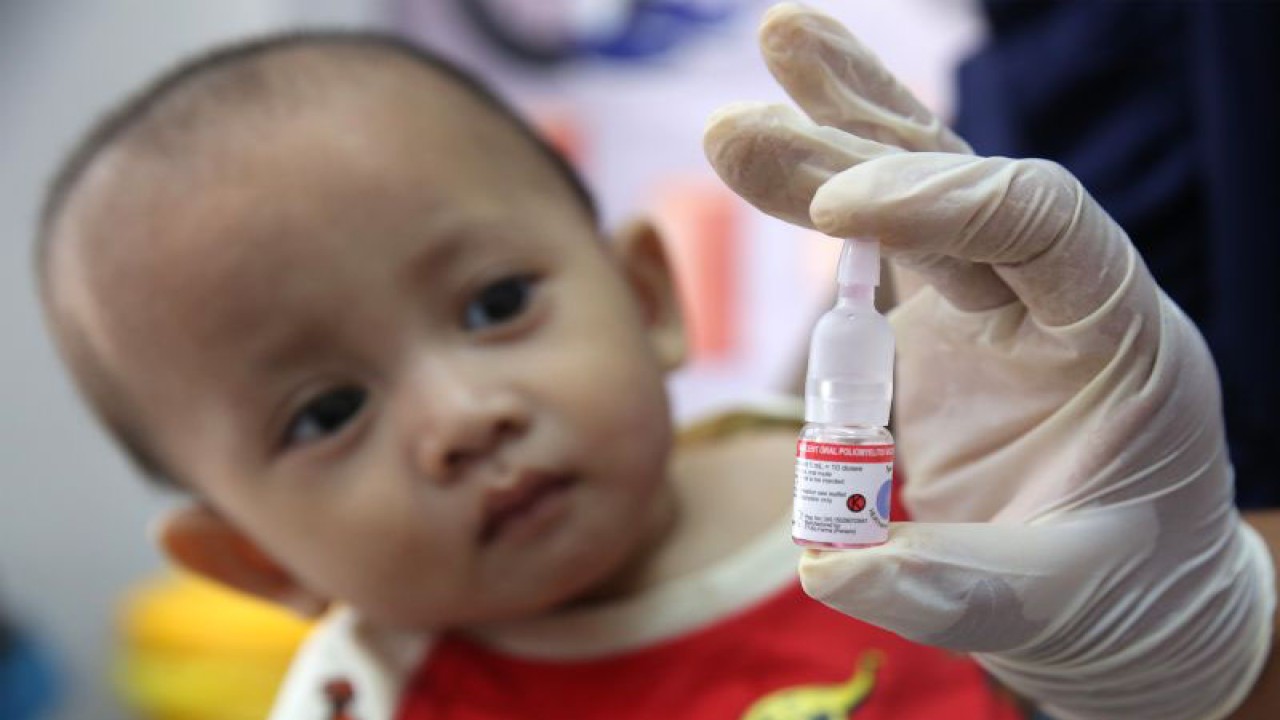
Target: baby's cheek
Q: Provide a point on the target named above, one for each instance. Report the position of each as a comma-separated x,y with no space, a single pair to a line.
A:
405,591
630,415
608,394
394,559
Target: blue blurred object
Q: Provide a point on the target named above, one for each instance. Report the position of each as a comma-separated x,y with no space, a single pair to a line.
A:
28,684
649,29
1167,112
658,26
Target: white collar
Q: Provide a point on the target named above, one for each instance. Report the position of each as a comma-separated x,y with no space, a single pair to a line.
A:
377,664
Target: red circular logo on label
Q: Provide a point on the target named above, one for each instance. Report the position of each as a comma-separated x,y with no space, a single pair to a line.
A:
856,503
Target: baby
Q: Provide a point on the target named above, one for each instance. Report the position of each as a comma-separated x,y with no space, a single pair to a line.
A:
353,307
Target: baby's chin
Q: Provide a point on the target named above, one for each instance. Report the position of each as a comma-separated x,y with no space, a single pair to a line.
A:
598,551
595,578
586,579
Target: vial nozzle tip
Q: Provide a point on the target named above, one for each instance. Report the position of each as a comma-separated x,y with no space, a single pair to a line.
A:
859,263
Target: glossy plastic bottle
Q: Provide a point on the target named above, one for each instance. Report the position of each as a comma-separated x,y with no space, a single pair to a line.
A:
845,455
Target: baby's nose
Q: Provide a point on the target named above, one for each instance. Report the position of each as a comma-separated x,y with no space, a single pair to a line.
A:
464,426
465,442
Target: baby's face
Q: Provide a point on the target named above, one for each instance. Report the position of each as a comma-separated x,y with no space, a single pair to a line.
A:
402,365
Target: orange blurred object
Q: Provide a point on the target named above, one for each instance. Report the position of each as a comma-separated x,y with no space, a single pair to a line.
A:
562,129
698,217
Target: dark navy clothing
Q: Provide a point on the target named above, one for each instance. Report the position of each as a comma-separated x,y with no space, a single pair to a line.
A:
1169,113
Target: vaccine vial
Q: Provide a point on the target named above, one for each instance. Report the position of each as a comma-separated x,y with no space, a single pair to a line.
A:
845,455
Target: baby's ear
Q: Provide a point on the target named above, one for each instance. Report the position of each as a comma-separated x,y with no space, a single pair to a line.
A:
199,540
640,253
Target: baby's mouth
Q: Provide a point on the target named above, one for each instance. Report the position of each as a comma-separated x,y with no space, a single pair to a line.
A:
526,503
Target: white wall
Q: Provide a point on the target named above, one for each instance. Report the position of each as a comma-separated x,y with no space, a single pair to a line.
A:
72,516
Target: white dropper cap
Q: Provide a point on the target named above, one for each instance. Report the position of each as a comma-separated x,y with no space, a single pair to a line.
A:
850,377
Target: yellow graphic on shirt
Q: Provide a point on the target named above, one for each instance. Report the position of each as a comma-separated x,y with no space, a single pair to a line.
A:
820,702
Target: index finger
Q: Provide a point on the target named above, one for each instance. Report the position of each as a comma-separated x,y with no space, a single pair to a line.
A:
777,159
839,82
1029,220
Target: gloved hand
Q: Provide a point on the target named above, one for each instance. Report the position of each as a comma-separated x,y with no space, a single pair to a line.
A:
1058,416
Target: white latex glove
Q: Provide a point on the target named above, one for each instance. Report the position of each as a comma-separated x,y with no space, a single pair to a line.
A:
1058,416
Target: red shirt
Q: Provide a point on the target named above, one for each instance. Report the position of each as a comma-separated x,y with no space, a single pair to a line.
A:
785,658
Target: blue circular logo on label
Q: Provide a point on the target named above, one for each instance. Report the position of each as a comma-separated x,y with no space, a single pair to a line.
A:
882,498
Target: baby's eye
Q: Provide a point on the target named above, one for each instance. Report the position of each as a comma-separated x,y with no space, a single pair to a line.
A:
498,302
324,415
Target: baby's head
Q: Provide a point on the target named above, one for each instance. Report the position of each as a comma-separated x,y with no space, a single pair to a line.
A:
345,299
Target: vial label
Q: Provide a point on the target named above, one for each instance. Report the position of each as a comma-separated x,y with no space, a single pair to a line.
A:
842,493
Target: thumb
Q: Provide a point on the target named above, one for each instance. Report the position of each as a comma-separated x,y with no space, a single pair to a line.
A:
973,587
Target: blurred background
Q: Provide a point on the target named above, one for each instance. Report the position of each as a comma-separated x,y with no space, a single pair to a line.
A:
1165,110
623,87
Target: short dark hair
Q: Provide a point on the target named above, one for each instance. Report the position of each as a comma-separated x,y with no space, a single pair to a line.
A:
136,110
